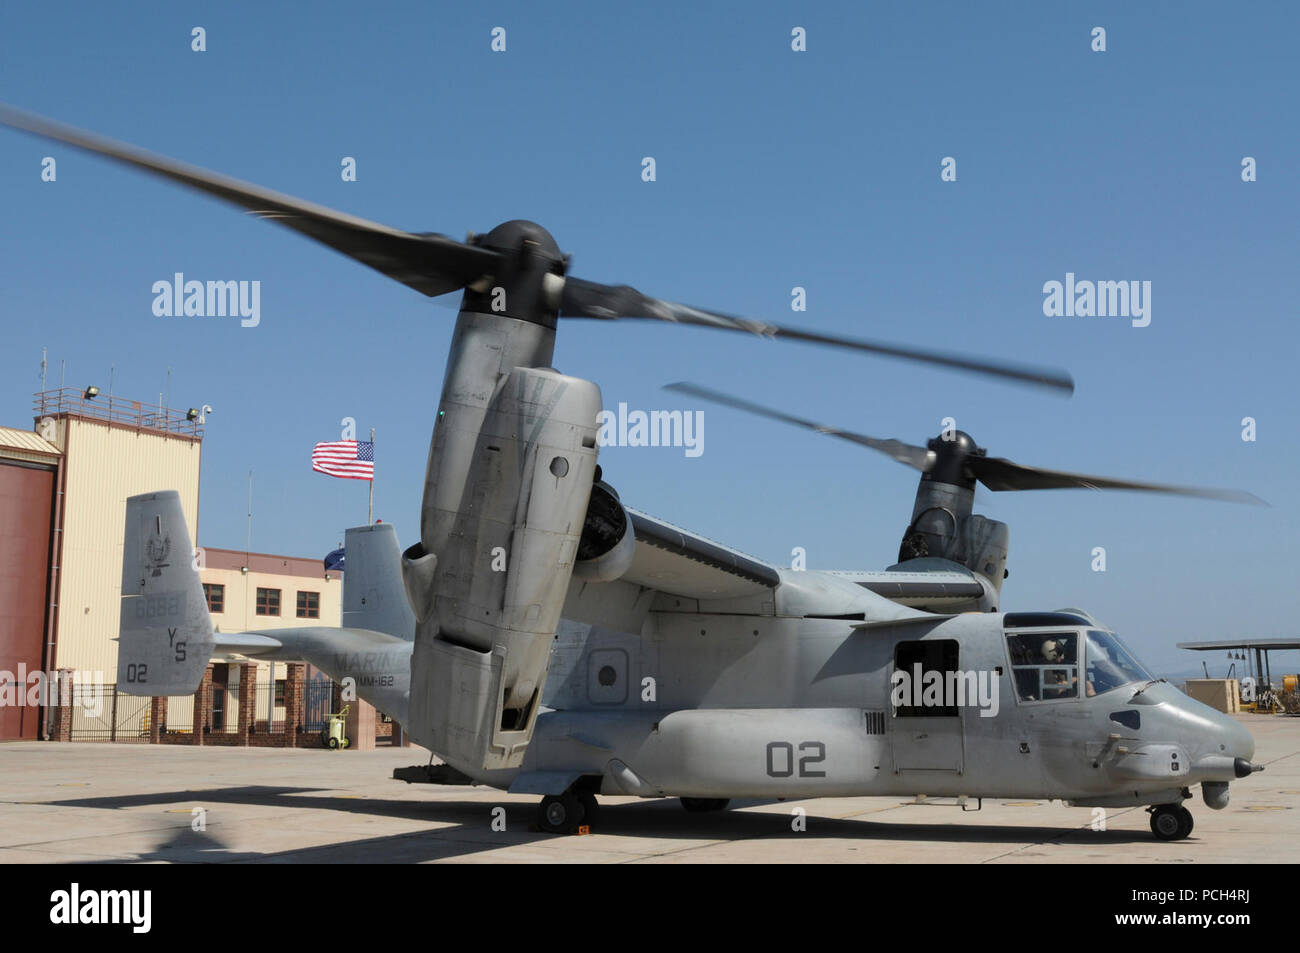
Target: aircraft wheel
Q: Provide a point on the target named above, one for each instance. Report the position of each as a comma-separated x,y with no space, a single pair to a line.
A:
702,805
1171,822
559,815
590,807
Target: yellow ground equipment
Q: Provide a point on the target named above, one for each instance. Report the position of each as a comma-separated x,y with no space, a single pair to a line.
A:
334,734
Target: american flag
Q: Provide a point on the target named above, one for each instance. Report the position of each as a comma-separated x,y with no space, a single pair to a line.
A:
350,459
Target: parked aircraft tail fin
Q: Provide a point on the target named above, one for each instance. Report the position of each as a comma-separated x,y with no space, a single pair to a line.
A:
374,596
165,637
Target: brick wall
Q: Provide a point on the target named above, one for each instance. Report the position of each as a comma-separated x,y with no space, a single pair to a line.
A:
203,709
247,700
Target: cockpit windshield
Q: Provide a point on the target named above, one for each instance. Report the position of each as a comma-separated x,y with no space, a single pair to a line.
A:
1110,665
1045,664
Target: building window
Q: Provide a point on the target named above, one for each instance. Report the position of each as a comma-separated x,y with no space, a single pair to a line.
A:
309,605
268,601
215,593
279,692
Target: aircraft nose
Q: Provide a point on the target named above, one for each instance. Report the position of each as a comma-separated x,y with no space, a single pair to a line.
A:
1235,741
1238,742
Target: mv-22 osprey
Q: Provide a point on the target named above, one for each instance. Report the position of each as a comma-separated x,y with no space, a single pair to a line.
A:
618,654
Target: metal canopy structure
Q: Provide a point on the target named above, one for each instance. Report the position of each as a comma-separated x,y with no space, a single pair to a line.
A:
1261,648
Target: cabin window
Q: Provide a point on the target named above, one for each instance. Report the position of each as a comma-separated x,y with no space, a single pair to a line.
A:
926,681
1044,665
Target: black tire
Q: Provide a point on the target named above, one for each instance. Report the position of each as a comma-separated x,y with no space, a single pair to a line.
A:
559,815
1167,822
1188,821
333,743
703,805
590,807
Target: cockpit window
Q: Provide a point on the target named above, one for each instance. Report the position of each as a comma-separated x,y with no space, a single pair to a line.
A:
1045,665
1110,664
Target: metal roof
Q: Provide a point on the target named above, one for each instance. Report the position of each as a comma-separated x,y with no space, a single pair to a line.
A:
1272,644
26,441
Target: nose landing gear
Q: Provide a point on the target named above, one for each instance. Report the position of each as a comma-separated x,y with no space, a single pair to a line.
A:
1170,821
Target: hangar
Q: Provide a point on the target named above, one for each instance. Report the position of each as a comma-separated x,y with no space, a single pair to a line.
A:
63,490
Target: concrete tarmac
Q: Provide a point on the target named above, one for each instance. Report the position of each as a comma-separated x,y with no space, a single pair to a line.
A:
63,803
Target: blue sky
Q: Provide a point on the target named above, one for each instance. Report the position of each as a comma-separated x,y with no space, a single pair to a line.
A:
775,169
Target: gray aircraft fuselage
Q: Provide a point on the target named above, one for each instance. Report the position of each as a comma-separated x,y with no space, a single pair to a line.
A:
765,705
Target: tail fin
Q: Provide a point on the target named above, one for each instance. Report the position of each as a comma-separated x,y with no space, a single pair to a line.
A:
373,594
165,637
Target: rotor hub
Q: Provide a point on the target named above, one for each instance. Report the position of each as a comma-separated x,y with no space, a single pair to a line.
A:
526,285
517,234
950,456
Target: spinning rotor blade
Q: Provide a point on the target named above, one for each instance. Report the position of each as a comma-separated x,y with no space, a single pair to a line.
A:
998,473
589,299
917,457
431,264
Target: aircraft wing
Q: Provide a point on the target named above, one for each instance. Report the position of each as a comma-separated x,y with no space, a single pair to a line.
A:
673,560
931,589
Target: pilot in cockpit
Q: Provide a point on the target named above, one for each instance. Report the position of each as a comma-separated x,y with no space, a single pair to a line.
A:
1061,682
1056,681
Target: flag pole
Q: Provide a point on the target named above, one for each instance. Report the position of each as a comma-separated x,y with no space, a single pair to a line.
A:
370,516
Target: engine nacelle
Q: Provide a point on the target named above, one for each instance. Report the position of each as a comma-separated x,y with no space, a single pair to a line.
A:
987,542
944,527
608,543
510,475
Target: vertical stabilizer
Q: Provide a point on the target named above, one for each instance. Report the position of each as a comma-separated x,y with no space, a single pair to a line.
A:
373,594
165,636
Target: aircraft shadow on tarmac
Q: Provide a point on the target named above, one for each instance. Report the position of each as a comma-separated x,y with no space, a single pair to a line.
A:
464,827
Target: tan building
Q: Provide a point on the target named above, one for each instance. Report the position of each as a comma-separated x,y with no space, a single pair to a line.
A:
63,491
110,452
249,592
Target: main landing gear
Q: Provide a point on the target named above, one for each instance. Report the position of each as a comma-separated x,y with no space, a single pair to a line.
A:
565,813
1170,821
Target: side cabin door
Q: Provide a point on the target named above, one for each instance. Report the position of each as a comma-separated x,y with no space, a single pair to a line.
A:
926,722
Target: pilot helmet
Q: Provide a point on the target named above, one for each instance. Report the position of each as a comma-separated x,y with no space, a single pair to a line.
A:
1052,651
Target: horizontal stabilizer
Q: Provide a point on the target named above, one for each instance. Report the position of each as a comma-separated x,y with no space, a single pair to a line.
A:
315,644
245,643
